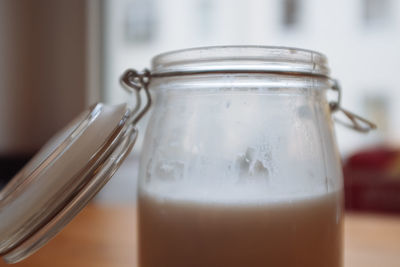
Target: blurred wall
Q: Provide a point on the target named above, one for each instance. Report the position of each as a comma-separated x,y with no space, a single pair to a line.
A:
42,70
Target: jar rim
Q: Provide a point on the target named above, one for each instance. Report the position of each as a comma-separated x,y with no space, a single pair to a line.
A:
241,59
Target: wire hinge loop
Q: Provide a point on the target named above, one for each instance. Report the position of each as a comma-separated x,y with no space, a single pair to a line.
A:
355,121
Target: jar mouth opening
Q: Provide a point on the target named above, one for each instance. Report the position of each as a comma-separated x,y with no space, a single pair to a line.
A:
241,59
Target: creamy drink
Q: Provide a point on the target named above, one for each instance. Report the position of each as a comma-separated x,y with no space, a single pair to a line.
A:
300,232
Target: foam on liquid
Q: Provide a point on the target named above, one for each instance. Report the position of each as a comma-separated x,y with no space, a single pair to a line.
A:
305,232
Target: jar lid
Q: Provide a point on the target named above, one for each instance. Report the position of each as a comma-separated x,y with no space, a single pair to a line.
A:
60,180
240,59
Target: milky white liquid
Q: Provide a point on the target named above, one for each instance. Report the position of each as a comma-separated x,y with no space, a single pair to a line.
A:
305,232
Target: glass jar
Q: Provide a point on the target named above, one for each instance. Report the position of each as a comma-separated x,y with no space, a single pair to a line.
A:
239,165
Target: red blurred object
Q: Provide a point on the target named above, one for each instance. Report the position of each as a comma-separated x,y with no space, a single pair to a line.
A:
372,180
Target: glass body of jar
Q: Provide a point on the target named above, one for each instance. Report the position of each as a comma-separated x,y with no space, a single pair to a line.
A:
239,166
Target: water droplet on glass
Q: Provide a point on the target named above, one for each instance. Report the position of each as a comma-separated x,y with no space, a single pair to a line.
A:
169,170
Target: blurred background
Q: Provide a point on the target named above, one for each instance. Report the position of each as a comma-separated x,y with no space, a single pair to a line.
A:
58,57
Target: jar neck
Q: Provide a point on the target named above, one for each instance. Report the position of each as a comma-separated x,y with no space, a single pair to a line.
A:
246,81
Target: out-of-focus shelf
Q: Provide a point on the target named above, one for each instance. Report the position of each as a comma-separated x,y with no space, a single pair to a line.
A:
105,236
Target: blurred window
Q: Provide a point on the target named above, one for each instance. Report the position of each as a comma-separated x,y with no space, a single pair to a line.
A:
205,17
377,108
291,13
376,12
139,21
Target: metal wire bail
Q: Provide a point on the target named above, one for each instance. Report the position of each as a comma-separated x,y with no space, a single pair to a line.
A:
133,81
355,121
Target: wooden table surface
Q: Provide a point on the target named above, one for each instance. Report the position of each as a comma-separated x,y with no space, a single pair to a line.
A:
105,236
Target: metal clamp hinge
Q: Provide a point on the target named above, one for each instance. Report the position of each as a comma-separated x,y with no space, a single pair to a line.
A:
134,82
355,122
